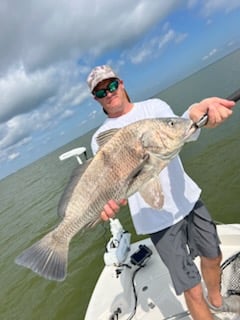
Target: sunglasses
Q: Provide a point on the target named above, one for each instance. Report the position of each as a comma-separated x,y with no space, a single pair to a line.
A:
101,93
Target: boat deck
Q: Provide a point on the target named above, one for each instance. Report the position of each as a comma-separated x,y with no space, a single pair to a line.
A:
113,297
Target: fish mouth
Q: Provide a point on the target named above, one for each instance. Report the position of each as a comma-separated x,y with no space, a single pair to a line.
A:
190,130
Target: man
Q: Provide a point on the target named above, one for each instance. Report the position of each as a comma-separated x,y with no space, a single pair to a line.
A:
183,228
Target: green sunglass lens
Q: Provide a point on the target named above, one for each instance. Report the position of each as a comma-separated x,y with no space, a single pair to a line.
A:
101,93
113,86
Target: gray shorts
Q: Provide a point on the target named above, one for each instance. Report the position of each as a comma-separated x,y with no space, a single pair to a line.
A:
179,244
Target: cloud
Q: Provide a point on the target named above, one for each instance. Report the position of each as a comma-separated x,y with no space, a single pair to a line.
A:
57,30
22,92
168,37
74,95
14,132
152,48
181,37
40,64
13,156
141,55
44,61
93,114
210,54
67,114
19,130
212,6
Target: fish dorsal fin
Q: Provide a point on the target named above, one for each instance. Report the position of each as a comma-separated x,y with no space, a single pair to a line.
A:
67,193
105,136
152,193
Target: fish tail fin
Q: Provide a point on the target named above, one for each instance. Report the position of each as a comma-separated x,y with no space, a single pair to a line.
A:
47,257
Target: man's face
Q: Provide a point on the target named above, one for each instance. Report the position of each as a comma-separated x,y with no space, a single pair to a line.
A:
114,92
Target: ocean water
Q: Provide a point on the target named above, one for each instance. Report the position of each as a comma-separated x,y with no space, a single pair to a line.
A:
29,198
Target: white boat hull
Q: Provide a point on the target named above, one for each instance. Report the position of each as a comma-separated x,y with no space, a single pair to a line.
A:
156,298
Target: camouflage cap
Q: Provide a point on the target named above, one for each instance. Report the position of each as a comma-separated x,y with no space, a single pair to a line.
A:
99,74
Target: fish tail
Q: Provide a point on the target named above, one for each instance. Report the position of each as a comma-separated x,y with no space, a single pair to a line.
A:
47,257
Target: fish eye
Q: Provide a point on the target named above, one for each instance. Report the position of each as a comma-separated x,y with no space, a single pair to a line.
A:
171,123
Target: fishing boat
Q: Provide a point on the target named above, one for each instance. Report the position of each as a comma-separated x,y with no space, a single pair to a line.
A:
135,284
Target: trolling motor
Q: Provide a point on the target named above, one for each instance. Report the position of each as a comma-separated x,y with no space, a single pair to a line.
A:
118,246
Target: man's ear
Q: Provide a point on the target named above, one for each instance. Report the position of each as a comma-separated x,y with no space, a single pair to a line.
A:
121,82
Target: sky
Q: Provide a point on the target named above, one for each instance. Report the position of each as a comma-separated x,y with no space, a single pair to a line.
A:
48,47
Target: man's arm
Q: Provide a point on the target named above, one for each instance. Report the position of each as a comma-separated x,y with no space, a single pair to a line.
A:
218,110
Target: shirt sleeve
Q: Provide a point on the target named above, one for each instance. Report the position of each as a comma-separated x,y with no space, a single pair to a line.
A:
94,145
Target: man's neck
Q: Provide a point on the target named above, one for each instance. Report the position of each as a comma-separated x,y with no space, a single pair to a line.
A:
127,108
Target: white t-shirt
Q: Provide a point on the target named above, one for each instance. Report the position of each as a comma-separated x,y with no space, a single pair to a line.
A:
180,191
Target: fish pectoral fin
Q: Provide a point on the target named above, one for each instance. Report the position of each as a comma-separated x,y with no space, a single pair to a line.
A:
105,136
143,172
152,193
139,169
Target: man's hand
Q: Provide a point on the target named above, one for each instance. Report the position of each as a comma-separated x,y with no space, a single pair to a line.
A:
218,110
111,209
